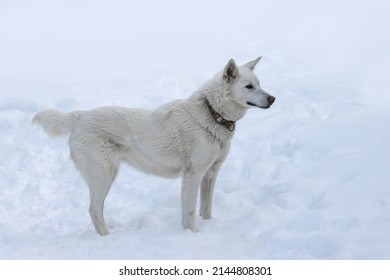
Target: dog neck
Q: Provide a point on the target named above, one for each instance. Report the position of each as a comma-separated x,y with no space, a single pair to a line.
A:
230,125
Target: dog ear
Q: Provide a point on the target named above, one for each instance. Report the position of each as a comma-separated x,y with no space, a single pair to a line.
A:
252,64
231,71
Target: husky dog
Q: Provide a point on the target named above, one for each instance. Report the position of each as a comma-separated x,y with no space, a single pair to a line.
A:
187,138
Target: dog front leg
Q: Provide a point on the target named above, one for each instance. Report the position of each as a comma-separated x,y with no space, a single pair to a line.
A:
207,189
189,194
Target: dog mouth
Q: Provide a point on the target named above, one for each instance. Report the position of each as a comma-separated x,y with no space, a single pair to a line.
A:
262,107
270,100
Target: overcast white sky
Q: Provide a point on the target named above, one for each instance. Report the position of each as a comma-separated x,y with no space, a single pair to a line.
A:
49,42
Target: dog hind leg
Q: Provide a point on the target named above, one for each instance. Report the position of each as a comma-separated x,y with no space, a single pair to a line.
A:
99,173
98,191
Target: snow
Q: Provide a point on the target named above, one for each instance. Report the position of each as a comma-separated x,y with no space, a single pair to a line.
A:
307,179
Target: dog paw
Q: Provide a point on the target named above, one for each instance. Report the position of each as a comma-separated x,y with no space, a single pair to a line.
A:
206,215
193,230
190,225
103,231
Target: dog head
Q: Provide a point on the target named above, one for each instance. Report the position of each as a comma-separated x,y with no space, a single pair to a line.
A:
245,86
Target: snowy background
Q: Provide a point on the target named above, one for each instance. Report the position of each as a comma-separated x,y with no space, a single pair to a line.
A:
307,179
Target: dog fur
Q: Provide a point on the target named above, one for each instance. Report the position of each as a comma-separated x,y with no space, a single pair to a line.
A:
179,139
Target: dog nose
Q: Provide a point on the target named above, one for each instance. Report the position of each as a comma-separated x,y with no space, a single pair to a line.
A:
271,99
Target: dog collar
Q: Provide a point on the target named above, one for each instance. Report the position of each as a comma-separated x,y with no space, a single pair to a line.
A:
230,125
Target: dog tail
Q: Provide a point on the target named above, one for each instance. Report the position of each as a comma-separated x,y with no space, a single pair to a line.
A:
56,123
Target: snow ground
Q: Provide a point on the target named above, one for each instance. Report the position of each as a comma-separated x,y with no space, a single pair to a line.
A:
307,179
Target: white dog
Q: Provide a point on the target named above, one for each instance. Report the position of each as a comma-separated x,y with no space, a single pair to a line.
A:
188,138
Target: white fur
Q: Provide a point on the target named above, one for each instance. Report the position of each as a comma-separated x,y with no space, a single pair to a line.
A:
180,138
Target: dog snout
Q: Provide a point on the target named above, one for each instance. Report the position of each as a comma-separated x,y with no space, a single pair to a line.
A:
271,100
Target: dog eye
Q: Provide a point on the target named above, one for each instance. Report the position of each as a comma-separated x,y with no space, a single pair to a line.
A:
249,86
